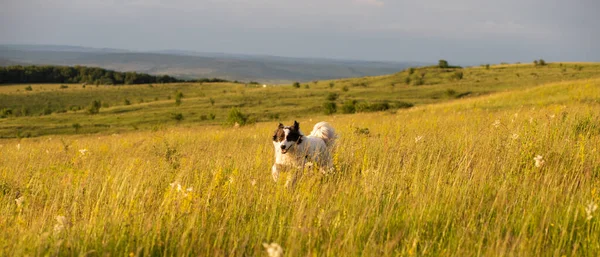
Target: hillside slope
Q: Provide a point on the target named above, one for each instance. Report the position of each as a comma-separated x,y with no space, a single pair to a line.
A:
192,65
52,109
514,173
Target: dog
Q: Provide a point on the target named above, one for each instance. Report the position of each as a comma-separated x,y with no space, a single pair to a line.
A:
293,149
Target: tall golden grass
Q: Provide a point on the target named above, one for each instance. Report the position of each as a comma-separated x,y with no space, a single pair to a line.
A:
453,179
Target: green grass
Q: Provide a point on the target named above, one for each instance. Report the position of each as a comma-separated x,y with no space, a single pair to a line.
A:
452,176
52,110
457,178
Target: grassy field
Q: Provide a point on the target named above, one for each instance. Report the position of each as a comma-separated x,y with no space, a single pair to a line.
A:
515,173
50,109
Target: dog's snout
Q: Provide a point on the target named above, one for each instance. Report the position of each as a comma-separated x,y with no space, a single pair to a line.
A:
282,146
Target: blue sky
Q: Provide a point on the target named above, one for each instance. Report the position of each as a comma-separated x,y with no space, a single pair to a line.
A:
461,31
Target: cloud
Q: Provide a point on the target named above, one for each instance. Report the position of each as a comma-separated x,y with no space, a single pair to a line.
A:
375,3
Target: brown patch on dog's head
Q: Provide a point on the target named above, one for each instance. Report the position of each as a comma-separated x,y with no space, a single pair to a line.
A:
279,134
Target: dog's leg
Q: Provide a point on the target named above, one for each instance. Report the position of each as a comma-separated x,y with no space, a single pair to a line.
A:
275,172
295,175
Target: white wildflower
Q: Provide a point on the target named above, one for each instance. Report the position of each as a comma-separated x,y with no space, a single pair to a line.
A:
180,189
18,146
19,201
514,136
273,249
253,182
496,123
552,116
418,138
61,224
590,209
530,120
83,151
539,161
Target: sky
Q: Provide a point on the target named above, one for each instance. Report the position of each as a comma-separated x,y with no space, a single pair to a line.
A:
460,31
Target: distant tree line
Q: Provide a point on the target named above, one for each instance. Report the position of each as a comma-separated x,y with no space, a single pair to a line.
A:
81,74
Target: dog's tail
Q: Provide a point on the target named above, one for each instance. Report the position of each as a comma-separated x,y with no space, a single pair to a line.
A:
324,131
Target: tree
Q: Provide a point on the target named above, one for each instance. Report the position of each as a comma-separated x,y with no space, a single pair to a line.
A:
94,107
542,62
443,64
237,117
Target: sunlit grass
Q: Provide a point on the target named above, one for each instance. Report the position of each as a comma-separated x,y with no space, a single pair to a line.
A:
52,110
457,178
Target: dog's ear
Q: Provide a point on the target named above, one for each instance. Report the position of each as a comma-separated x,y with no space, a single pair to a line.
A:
280,126
296,126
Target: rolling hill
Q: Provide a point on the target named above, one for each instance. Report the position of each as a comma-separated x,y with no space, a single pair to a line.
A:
192,65
61,109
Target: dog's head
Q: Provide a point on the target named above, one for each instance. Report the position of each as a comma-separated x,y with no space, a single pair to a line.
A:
286,136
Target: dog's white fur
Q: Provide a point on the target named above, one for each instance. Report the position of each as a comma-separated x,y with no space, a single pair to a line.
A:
316,148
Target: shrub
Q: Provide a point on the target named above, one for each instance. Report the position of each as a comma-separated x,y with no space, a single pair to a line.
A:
450,92
127,102
376,107
5,112
487,66
212,101
411,70
212,116
296,85
331,84
349,106
332,96
361,107
28,88
236,117
329,108
345,88
94,107
402,105
458,75
178,97
362,131
419,81
407,80
76,126
177,116
63,86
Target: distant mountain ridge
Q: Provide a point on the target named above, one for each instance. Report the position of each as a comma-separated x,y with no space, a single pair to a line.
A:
191,65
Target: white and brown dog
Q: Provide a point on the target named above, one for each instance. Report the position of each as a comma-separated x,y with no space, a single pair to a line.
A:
293,149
